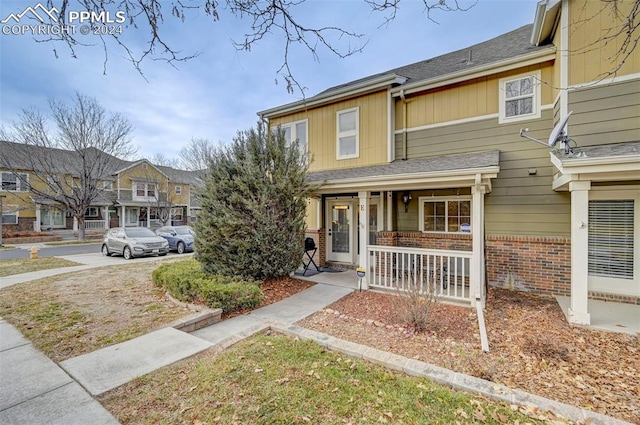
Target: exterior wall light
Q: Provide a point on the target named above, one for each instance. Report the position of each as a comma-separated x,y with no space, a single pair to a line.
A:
406,198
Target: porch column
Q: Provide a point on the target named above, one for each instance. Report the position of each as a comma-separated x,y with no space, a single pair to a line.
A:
36,224
105,215
389,226
363,234
578,312
121,218
477,234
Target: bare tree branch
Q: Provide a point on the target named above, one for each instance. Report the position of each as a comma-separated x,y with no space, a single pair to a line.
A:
71,163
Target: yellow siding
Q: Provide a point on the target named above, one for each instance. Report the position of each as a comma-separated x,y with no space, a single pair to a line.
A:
311,219
183,198
591,58
139,172
322,131
470,99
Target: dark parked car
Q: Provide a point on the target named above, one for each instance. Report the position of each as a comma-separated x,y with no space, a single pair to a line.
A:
180,238
133,242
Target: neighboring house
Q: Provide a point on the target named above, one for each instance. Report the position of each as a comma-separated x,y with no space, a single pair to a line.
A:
426,177
132,193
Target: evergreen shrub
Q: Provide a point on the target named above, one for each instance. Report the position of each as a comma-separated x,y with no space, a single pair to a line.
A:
186,281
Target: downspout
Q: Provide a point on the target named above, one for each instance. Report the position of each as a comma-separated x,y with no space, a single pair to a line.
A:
404,125
484,340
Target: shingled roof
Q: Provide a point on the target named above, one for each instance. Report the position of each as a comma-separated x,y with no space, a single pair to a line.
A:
514,44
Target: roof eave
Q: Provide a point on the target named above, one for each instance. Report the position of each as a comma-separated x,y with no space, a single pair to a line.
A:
540,56
333,95
545,22
413,181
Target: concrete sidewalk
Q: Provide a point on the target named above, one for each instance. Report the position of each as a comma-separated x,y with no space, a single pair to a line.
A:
34,390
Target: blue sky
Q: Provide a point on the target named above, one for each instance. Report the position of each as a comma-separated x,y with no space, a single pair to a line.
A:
219,92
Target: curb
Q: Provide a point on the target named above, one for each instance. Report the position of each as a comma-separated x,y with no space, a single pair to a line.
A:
203,317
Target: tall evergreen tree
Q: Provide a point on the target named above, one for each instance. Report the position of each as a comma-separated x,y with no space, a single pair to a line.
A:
252,222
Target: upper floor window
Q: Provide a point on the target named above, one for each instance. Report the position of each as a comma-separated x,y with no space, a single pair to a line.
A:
178,190
145,190
347,134
447,215
296,131
520,97
107,185
15,182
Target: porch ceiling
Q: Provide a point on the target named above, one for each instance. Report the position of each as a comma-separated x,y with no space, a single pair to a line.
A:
617,162
435,172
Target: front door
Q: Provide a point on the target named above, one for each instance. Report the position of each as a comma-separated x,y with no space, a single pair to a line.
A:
52,217
340,231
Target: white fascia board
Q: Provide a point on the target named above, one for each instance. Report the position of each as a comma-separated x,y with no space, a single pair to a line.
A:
597,165
413,181
334,95
541,56
544,23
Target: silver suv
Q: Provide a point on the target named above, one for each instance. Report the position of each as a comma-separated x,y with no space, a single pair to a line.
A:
133,242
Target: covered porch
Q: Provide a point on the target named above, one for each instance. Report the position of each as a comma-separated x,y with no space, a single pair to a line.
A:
415,224
604,182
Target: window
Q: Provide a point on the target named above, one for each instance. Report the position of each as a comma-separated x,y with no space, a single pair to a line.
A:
176,213
445,215
107,185
15,182
611,238
10,217
145,190
520,98
91,212
178,190
347,138
296,131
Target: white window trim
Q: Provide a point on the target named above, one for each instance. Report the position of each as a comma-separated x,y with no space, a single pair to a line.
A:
537,99
178,190
355,132
16,214
423,199
19,182
87,213
294,134
136,197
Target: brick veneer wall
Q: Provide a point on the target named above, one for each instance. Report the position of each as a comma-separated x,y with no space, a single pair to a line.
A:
538,264
318,235
529,263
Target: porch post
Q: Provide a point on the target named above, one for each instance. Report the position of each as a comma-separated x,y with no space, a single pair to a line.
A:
477,235
579,312
389,205
363,227
121,218
36,224
105,215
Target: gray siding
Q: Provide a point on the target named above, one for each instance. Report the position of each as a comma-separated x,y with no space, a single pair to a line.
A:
605,114
520,204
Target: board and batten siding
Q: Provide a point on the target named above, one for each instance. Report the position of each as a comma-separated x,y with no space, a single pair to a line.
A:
469,99
519,204
605,114
322,131
593,50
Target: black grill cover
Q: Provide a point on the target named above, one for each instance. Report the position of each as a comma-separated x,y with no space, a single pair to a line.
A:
309,244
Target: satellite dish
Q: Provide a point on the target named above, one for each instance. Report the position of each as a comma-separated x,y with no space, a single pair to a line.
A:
559,134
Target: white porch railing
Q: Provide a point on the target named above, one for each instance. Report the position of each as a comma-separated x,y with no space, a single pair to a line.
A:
442,273
94,224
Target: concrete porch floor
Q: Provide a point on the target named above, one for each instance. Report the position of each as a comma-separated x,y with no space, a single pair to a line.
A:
608,315
346,278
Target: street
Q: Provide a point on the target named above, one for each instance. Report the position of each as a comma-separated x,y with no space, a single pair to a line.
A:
53,251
